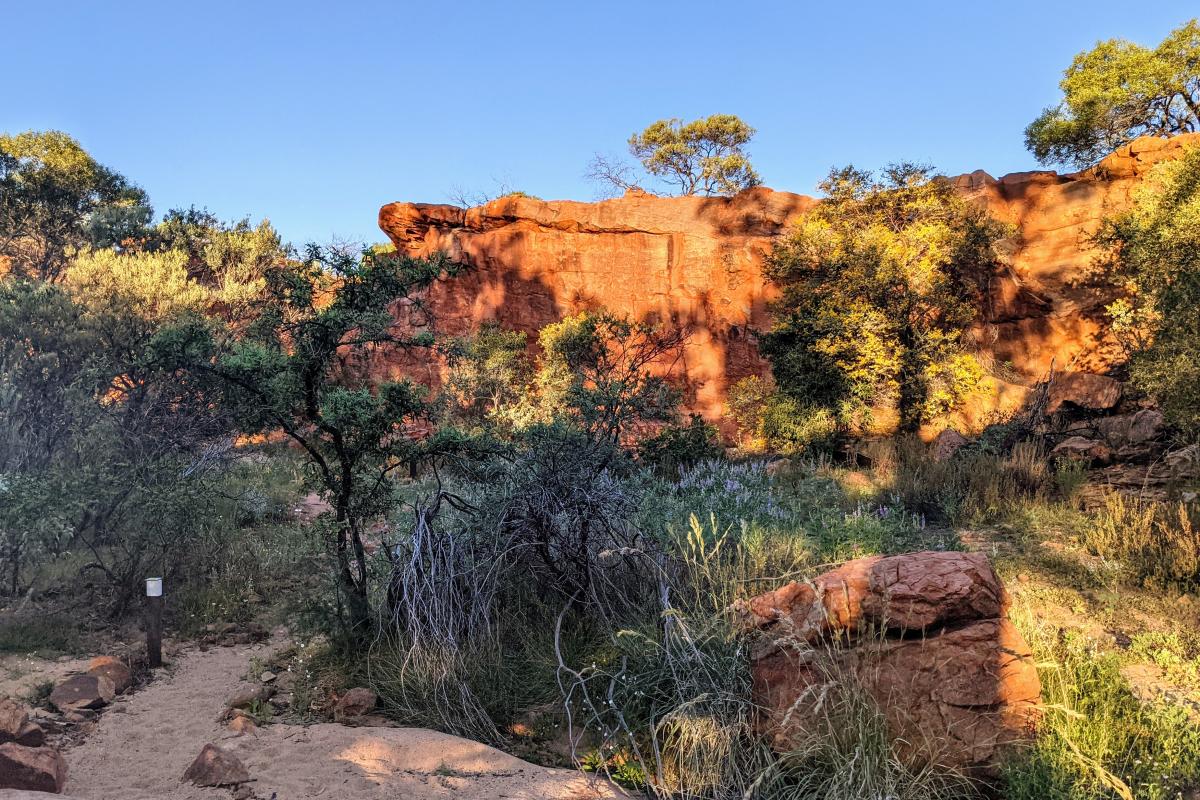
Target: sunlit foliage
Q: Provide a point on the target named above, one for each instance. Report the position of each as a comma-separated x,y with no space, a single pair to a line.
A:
1118,91
878,284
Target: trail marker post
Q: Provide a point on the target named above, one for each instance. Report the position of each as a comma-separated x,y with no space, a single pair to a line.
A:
154,609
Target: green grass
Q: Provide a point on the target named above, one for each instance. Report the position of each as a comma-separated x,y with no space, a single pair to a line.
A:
1097,740
39,635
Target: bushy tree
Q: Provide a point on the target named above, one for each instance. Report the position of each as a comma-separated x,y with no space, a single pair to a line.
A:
705,156
56,199
105,448
297,367
232,259
1156,248
606,373
878,284
489,374
1118,91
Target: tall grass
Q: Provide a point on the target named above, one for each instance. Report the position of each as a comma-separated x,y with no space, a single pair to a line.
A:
1097,740
1157,543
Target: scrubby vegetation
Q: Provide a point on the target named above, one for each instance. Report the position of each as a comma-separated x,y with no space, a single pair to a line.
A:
879,284
542,552
1155,247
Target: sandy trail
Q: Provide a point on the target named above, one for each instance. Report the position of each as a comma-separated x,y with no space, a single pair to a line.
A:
142,746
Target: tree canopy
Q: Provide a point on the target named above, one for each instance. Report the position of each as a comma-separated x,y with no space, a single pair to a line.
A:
1118,91
878,284
55,198
705,156
1156,247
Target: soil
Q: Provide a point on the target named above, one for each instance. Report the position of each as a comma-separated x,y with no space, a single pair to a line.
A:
142,744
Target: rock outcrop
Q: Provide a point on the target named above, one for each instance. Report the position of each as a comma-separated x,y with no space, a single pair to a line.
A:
924,635
698,262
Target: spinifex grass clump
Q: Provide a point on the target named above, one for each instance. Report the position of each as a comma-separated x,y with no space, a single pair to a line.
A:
849,753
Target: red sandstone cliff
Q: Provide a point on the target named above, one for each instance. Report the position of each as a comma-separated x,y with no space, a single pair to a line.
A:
698,261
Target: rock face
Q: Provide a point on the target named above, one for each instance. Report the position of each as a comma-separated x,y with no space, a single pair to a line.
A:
924,635
698,262
37,769
688,261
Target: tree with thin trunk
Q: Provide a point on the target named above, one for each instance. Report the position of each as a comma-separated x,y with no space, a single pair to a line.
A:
706,156
300,368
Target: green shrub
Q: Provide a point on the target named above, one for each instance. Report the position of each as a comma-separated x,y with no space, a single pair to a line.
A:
680,446
777,423
38,633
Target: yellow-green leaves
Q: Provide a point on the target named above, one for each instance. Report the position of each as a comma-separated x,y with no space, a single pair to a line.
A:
1118,91
704,156
878,283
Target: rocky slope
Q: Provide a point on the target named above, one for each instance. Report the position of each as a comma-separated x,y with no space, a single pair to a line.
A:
698,262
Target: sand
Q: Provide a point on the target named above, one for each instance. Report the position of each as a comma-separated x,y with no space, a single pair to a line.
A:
142,745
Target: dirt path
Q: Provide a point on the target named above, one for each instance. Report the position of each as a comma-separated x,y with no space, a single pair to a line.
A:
142,746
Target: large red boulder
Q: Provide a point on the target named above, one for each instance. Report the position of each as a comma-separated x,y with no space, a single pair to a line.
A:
38,769
908,593
16,727
924,635
116,670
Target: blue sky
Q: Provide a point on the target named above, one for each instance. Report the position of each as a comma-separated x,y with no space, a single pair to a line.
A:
313,114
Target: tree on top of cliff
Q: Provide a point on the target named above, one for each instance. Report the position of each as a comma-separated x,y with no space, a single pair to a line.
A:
878,284
1156,245
705,156
1118,91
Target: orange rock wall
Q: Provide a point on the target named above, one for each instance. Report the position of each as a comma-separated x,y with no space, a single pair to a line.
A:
698,262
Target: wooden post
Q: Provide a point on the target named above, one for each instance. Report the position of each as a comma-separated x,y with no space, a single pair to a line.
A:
154,610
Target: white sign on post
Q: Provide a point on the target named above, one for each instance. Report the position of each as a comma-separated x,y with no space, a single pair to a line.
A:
153,587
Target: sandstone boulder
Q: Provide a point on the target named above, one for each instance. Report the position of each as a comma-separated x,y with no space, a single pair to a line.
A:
947,443
1124,430
923,636
248,696
15,725
1084,449
216,767
1083,390
906,593
38,769
241,725
355,703
84,691
116,670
